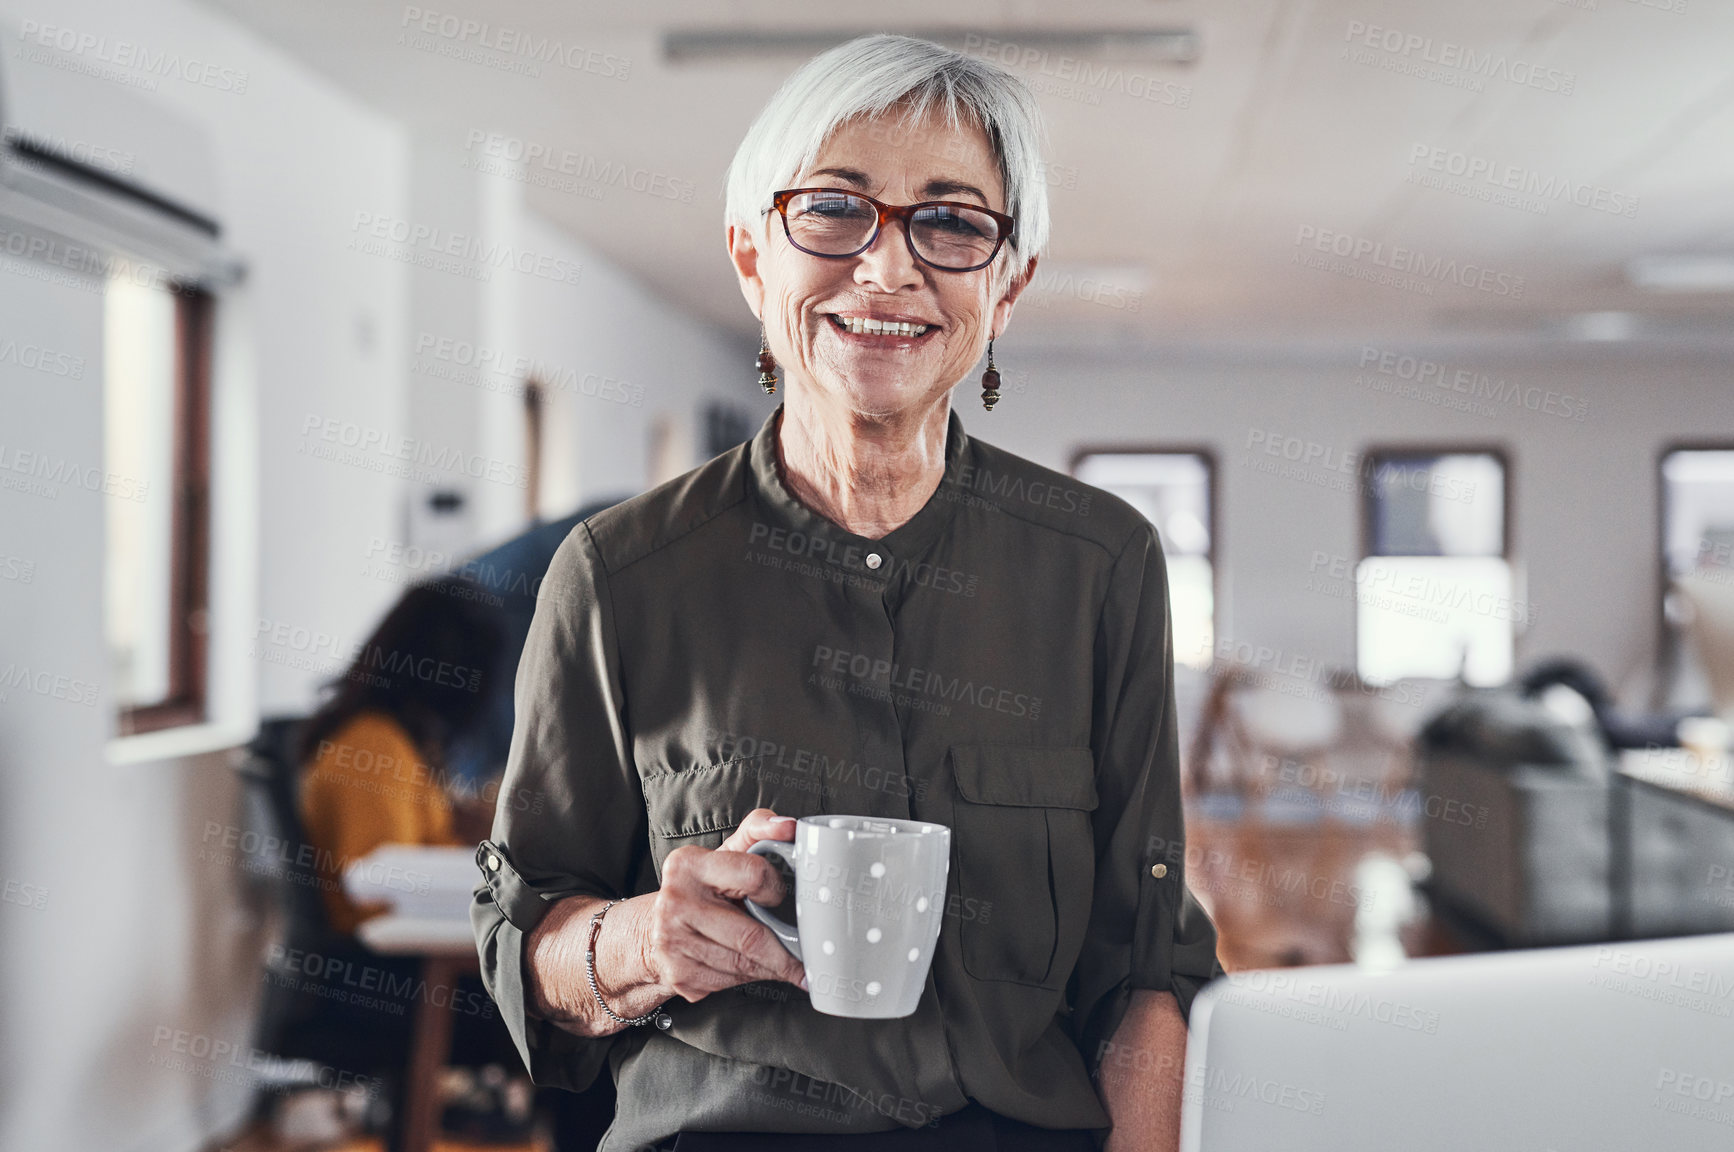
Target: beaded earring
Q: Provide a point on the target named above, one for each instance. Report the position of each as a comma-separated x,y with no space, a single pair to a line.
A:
767,366
990,380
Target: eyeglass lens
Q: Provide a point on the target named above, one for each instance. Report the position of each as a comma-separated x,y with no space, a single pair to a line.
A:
841,223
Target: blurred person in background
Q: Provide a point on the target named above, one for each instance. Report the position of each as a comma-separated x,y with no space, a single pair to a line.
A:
377,759
511,573
376,751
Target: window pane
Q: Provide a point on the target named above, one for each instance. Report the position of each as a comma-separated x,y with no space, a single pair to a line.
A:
1434,597
1192,600
1448,505
1426,616
1172,490
138,443
1699,497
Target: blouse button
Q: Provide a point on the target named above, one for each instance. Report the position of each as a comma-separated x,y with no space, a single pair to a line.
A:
873,560
1158,870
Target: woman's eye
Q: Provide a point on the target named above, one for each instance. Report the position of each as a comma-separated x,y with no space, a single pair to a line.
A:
950,222
834,209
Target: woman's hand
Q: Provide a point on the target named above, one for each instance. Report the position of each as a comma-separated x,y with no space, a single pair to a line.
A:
688,939
700,940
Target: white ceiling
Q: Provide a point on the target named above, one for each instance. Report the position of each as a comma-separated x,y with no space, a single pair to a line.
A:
1197,208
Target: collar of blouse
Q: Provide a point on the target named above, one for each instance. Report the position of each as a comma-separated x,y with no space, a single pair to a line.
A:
871,558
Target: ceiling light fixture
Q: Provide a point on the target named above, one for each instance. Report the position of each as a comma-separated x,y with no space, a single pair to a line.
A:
1601,327
1143,45
1682,273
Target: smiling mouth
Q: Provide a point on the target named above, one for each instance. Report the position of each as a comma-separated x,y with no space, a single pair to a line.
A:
865,326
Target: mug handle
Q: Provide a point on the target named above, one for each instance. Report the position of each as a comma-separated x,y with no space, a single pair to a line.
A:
786,932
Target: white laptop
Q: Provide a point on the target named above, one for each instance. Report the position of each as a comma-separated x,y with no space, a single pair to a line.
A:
1609,1048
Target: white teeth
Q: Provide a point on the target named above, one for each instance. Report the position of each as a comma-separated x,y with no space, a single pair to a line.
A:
863,326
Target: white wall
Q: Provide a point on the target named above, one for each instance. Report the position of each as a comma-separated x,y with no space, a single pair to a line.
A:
622,357
57,792
1583,526
612,356
109,932
138,934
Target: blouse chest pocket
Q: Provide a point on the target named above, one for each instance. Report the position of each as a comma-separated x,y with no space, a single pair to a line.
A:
703,805
1026,859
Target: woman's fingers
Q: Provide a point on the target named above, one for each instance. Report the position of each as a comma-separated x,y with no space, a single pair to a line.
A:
762,955
725,875
704,946
700,965
693,967
759,824
704,939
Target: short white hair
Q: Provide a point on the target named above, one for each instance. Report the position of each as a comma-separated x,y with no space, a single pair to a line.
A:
867,77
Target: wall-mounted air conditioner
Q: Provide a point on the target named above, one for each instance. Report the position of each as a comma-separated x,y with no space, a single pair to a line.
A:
93,175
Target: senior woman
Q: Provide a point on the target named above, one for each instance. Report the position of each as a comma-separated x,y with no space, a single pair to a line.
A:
862,610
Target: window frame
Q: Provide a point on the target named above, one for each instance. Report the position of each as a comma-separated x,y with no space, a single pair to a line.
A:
189,524
1373,456
1212,519
1667,637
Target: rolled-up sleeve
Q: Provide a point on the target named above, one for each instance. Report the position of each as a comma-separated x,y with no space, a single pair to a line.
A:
570,818
1146,929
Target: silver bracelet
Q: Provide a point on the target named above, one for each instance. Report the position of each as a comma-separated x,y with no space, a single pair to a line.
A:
655,1015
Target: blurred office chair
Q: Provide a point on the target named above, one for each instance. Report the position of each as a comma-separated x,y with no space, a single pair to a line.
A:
296,1024
1338,748
1368,765
307,1030
1288,736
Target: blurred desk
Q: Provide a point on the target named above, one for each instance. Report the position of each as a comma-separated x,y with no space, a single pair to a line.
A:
429,890
1674,841
394,935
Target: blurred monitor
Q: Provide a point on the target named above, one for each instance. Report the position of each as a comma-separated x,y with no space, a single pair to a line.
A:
1616,1046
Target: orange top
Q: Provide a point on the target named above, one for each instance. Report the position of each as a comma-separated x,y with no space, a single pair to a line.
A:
368,786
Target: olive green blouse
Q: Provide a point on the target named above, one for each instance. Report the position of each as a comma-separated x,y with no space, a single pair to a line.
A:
1002,664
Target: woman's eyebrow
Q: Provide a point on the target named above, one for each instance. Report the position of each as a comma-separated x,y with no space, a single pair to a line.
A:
933,189
848,175
952,188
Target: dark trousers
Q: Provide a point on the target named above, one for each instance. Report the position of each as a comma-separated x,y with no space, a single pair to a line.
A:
974,1129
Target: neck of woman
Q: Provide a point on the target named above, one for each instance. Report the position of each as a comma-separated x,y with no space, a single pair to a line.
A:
867,474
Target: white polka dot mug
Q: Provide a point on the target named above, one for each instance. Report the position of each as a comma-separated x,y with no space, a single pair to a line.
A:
869,894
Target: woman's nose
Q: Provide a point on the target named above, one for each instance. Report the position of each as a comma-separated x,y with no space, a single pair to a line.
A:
889,264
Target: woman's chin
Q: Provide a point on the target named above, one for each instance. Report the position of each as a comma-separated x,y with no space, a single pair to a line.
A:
874,387
884,394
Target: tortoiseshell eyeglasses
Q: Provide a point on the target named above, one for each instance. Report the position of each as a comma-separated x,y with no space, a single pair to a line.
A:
944,234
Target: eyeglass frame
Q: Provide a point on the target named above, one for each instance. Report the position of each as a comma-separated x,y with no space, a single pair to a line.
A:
902,214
